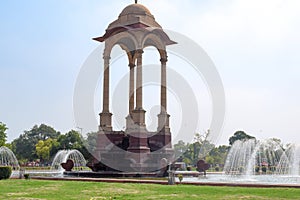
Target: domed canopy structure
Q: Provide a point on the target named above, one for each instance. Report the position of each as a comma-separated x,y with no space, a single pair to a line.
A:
136,9
134,30
132,17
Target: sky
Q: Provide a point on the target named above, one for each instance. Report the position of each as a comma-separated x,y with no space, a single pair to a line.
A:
254,45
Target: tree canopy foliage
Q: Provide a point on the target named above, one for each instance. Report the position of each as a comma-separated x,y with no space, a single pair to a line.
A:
239,135
25,145
3,135
43,142
44,148
200,148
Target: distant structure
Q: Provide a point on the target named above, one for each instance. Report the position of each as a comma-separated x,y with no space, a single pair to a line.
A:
135,149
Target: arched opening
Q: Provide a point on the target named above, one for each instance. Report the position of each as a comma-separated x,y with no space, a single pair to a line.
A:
119,78
151,79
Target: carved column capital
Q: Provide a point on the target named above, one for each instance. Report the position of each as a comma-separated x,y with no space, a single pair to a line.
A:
139,53
131,65
164,60
106,60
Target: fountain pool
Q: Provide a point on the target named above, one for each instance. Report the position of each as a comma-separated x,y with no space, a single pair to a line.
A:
242,179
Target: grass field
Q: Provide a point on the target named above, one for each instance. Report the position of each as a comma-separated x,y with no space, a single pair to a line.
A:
41,189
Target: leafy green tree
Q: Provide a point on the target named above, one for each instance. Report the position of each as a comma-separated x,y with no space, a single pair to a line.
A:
204,146
24,145
8,145
23,148
3,135
191,153
91,142
180,148
73,140
42,132
218,155
44,147
240,135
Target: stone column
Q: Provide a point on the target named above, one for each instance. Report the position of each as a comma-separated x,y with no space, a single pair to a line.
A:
129,118
139,80
138,140
105,116
163,117
131,88
163,92
139,112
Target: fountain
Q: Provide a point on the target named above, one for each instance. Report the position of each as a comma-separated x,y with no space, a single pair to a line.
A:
56,169
290,161
253,157
63,155
259,163
8,158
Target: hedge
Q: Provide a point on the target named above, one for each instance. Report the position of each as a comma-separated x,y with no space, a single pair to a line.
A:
5,172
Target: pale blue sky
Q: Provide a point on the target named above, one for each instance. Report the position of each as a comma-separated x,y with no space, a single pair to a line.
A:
254,44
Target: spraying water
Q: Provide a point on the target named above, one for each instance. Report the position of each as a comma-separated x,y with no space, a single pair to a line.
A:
8,158
63,155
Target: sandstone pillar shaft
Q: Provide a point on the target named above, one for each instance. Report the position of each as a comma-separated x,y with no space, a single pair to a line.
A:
106,85
131,88
163,117
105,116
163,92
139,81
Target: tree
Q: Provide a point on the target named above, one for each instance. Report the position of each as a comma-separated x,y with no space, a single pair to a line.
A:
180,148
71,140
42,132
44,147
3,135
203,144
91,142
24,145
23,148
240,135
191,153
218,155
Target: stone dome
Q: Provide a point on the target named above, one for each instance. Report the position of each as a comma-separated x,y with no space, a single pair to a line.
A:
135,9
134,14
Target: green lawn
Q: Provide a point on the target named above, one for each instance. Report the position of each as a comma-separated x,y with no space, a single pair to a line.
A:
40,189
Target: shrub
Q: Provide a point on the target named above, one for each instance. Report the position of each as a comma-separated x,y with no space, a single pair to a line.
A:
5,172
180,177
26,176
217,169
272,168
257,169
264,169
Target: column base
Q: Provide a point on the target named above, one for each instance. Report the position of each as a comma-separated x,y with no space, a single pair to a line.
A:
129,123
105,121
163,123
138,116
